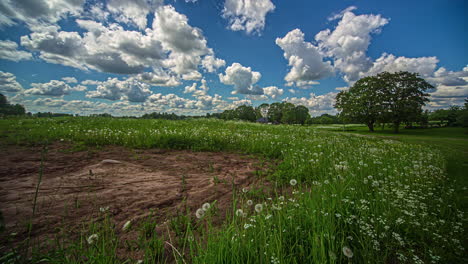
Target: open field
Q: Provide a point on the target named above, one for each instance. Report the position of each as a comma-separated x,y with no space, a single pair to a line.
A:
210,191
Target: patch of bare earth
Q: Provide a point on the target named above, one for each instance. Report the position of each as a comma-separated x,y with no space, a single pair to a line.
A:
131,182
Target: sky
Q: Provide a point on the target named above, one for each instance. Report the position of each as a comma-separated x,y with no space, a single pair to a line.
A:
192,57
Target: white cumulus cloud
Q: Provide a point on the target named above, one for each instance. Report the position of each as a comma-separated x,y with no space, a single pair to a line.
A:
247,15
306,62
8,83
242,78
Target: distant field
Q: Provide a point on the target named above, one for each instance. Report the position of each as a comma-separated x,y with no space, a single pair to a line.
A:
314,194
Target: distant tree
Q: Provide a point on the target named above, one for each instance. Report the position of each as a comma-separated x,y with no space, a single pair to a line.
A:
387,97
462,118
246,113
262,110
3,100
404,95
7,109
362,102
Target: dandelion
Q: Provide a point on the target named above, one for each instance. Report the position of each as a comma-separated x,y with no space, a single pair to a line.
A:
92,238
348,252
104,209
258,208
249,202
293,182
281,198
206,207
240,213
245,190
126,226
199,213
268,217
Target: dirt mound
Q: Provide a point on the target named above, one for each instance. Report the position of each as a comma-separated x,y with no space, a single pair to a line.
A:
75,185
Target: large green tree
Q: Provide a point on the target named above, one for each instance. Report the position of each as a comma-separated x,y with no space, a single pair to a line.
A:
387,97
404,95
362,102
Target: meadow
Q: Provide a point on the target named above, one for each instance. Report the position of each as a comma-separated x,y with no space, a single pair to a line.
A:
333,197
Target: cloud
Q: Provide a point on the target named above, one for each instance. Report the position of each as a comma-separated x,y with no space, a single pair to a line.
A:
192,89
53,88
248,15
317,104
211,64
172,47
114,89
132,11
242,78
9,51
340,14
273,92
449,78
159,78
8,83
348,42
34,12
425,66
70,79
306,62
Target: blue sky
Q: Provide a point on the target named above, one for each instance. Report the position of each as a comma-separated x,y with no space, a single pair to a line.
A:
192,57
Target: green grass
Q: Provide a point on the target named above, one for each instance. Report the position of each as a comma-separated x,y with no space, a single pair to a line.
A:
388,201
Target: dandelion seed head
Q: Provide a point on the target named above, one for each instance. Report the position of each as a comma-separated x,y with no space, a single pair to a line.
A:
92,238
239,213
199,213
258,208
249,202
348,252
293,182
206,207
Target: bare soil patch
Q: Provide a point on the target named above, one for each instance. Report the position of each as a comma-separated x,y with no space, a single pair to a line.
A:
130,182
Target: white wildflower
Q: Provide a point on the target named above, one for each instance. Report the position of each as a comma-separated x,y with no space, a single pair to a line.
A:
240,213
293,182
249,202
199,213
258,208
348,252
206,207
126,226
92,238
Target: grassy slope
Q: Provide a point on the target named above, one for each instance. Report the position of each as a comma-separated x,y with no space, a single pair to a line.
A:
451,141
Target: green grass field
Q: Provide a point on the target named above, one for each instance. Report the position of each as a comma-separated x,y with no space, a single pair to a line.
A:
341,197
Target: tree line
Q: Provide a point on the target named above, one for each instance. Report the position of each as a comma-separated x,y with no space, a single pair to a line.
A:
277,113
7,109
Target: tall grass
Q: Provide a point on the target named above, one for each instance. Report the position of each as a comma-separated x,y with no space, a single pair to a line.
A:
384,201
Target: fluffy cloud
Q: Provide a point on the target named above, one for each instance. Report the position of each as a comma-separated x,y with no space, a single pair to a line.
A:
211,63
242,78
317,104
197,92
425,66
348,42
70,79
159,78
132,11
9,51
38,11
248,15
171,48
304,58
53,88
115,89
273,92
8,83
449,78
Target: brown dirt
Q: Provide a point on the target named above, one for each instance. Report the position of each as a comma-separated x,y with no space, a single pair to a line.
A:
76,184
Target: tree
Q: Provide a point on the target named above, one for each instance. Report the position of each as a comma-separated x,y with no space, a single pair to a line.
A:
387,97
9,109
362,102
404,95
245,112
